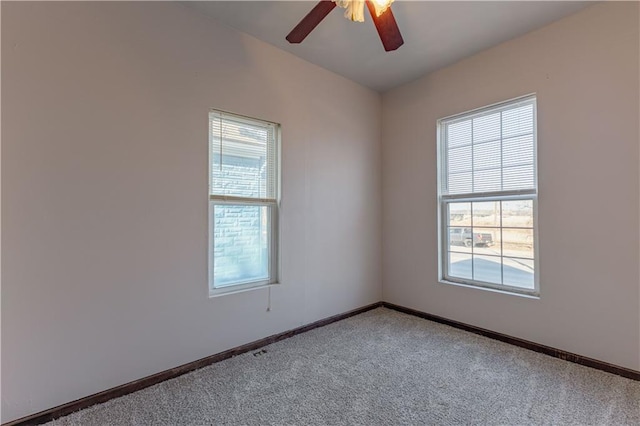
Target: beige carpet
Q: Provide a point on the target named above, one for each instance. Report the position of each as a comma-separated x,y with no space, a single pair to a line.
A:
380,368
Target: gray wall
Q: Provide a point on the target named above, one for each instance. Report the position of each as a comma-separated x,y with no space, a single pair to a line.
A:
584,69
104,193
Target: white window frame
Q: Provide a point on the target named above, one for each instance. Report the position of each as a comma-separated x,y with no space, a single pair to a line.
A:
273,204
445,199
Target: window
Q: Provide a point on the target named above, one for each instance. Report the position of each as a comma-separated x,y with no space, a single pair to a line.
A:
488,197
243,202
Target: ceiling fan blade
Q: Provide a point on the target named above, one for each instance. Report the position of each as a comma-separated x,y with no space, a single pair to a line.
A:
387,28
309,22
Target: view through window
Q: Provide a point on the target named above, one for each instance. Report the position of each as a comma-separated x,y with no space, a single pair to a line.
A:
243,186
488,196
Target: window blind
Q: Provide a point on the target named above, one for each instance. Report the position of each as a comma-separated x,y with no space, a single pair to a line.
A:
491,150
243,157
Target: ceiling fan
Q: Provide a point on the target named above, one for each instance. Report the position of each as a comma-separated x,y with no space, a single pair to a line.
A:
380,11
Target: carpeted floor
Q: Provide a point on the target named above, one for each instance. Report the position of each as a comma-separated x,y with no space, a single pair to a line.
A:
380,368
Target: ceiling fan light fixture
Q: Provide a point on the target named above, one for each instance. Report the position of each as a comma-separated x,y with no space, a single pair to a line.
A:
354,9
379,10
381,6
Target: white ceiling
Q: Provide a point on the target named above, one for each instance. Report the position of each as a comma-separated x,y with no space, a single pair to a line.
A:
436,33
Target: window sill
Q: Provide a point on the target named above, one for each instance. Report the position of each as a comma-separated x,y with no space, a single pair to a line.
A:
235,289
527,294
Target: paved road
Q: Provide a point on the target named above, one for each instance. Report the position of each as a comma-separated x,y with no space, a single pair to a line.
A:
516,272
